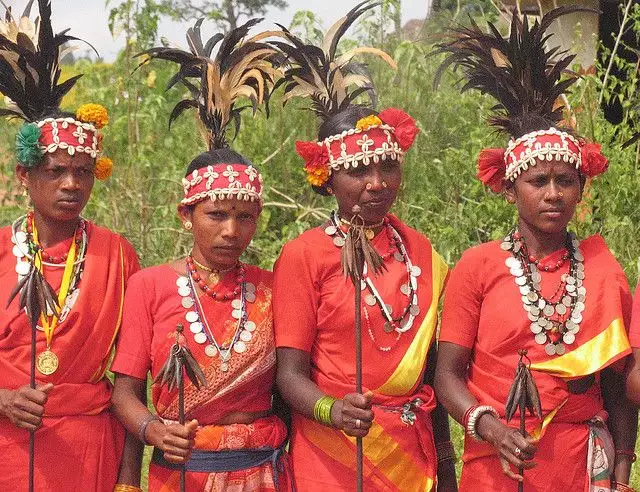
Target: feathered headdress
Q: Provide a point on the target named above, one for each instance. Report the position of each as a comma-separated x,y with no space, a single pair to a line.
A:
332,82
30,55
526,79
242,68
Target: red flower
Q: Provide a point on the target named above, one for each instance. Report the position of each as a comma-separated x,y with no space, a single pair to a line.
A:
405,129
593,161
314,155
492,169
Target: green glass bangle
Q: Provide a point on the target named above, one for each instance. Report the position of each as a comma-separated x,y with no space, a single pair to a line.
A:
322,409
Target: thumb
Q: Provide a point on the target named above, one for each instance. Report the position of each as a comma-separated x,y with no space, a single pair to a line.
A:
368,396
192,426
45,388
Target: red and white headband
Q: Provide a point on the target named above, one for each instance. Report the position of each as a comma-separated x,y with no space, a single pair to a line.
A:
375,138
222,182
496,166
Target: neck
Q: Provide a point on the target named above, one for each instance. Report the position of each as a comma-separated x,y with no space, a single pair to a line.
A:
541,244
51,231
374,226
199,258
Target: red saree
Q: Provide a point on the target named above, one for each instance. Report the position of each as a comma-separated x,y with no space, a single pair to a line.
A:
79,445
152,310
634,329
313,311
483,311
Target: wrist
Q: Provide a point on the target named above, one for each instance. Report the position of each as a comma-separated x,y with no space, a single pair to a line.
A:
154,432
336,414
4,398
487,426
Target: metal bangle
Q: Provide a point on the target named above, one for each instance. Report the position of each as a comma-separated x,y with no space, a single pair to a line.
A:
475,415
142,428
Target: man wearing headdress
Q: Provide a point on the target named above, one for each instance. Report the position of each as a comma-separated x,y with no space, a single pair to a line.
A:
62,281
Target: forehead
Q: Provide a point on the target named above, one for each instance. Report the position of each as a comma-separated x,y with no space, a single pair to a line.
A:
556,167
228,205
62,158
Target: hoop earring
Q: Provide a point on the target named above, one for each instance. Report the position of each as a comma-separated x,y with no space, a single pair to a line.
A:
188,225
369,187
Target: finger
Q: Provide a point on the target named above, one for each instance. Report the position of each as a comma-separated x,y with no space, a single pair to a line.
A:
357,400
25,416
176,450
177,459
28,406
350,431
368,396
517,462
352,413
192,428
358,424
177,442
506,469
25,425
45,388
525,444
177,430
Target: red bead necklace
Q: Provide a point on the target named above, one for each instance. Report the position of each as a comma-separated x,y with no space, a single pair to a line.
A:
46,257
208,290
545,268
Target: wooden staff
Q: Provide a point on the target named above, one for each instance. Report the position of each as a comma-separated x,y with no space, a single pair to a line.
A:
355,253
524,396
180,360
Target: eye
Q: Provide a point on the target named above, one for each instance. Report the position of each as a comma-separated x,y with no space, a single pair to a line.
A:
217,215
566,181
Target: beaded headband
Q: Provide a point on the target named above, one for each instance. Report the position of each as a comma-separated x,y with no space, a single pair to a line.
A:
222,182
375,138
496,166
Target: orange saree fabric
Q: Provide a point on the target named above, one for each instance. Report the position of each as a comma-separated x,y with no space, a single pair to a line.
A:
79,445
314,312
152,310
483,311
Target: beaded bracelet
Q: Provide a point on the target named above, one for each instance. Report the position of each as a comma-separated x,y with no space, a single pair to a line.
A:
142,428
322,409
445,451
465,418
629,453
123,487
474,415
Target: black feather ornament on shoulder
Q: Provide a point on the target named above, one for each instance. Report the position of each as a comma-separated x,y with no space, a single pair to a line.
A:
241,68
519,71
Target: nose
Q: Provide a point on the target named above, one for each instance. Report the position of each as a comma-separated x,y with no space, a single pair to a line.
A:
553,192
231,229
71,181
375,181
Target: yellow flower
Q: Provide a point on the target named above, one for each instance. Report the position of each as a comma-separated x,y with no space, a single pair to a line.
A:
93,113
104,168
367,122
317,176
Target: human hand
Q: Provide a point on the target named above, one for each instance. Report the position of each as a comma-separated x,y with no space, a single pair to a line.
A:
24,407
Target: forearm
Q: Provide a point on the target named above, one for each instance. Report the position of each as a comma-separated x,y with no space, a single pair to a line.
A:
129,403
131,461
453,394
623,422
299,391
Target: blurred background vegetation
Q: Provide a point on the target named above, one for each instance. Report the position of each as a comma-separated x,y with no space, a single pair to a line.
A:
440,196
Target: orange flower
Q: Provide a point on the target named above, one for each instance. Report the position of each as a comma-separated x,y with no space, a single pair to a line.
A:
104,168
94,114
367,122
317,176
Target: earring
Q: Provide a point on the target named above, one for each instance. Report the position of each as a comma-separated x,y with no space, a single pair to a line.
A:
329,190
560,194
188,225
384,184
369,186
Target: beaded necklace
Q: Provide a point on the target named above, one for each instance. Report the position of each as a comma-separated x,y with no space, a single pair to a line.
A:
404,321
555,321
199,325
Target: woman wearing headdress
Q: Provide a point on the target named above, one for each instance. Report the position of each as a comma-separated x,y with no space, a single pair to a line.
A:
358,159
541,290
62,277
231,441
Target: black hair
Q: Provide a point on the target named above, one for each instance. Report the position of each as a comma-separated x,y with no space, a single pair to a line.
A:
336,124
217,156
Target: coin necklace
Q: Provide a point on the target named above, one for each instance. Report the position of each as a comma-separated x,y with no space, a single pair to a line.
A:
28,252
554,321
404,321
199,326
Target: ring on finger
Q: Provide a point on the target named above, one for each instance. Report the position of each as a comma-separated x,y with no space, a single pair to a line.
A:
358,423
517,452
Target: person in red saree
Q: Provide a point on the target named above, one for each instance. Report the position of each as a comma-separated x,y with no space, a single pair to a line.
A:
565,302
86,266
232,441
406,446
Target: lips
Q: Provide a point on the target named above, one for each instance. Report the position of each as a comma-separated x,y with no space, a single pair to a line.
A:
555,214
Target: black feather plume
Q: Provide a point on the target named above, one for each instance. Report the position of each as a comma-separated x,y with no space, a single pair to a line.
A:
30,65
241,68
323,75
524,76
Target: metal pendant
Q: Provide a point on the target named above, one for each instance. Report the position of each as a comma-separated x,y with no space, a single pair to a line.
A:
47,362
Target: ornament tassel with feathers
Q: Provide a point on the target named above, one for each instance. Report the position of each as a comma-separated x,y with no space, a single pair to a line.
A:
171,375
523,395
356,253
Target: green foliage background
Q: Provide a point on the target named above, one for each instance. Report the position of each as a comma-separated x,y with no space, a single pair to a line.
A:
440,196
